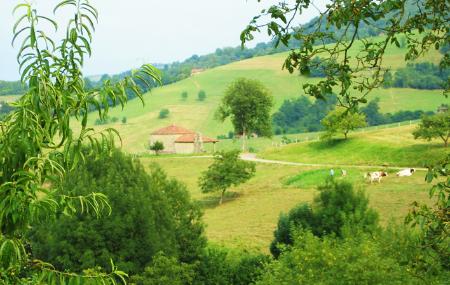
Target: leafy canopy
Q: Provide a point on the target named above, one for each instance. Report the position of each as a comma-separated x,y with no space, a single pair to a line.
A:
435,126
342,121
248,103
227,170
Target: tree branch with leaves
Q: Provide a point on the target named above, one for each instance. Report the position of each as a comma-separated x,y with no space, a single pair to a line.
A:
37,141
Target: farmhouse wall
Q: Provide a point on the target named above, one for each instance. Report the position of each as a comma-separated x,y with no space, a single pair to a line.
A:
184,148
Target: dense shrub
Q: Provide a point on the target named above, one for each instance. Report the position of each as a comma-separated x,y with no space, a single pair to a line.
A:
336,206
150,213
201,96
166,270
354,259
164,113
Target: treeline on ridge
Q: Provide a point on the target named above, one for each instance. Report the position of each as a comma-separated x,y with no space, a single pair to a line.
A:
302,115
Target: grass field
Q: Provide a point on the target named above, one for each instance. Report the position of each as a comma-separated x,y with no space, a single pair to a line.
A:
392,146
142,120
250,212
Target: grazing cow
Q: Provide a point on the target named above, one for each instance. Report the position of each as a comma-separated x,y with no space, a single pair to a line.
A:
406,172
377,175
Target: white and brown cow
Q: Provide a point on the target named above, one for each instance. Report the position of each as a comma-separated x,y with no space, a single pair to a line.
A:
376,176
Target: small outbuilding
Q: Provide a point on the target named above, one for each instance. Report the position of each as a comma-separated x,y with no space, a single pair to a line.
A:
180,140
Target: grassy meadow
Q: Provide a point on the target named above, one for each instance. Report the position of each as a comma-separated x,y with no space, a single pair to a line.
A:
199,116
390,147
250,212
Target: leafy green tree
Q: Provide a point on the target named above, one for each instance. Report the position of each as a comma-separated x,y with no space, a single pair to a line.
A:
336,206
201,95
164,113
184,95
436,126
38,146
227,170
248,103
342,121
124,120
157,147
150,214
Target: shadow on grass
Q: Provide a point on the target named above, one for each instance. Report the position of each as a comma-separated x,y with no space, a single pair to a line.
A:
327,144
212,201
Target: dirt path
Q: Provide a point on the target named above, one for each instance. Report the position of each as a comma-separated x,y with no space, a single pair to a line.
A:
252,157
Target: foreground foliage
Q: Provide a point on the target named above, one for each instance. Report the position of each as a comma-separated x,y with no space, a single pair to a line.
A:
354,259
151,214
37,144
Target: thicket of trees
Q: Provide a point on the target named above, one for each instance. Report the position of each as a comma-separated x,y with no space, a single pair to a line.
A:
423,75
302,115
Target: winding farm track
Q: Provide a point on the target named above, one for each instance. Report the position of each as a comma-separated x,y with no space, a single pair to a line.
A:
252,157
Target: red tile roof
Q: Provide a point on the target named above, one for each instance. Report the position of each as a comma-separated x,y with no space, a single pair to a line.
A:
190,138
173,130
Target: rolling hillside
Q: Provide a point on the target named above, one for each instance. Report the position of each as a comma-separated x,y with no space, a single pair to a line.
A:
141,120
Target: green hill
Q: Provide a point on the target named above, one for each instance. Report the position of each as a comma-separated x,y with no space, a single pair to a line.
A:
390,147
141,120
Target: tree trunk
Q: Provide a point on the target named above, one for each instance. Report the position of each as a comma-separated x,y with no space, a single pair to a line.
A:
221,197
244,137
345,135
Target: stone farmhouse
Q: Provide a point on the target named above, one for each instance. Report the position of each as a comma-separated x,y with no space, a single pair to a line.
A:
180,140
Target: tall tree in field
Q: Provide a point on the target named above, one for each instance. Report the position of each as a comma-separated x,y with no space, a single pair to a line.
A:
248,103
37,144
436,126
342,121
227,170
358,69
